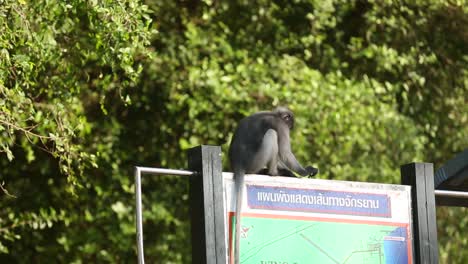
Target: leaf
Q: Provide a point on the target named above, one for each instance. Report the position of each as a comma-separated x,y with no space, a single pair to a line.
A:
8,152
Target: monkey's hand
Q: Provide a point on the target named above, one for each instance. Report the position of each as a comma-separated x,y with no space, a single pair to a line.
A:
311,171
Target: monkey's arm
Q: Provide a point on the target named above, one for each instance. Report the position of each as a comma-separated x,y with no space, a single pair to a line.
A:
287,158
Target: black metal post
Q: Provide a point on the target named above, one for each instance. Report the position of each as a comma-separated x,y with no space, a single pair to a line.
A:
207,205
420,176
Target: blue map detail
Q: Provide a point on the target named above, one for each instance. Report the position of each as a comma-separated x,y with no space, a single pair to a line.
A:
395,250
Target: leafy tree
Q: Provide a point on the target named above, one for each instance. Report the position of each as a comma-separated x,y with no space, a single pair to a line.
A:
62,64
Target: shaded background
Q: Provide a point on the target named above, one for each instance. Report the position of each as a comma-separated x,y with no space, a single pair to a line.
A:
89,89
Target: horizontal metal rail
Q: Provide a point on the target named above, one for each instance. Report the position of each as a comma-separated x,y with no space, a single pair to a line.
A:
451,193
139,212
160,171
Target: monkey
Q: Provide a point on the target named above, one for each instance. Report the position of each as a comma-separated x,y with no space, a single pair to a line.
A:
262,140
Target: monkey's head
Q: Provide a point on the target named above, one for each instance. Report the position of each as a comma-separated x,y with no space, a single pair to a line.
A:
286,114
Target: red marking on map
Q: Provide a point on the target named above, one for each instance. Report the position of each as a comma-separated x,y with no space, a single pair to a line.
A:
244,231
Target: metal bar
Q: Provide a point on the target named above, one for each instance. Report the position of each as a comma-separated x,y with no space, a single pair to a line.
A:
165,171
139,218
139,212
451,193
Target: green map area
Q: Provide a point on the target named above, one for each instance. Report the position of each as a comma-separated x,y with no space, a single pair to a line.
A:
285,241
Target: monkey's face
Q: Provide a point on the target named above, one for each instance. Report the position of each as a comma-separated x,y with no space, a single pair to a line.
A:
288,118
286,115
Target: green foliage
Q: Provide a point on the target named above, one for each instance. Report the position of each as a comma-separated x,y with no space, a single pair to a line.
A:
89,89
61,63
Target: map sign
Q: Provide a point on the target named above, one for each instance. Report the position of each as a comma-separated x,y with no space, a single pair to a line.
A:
298,221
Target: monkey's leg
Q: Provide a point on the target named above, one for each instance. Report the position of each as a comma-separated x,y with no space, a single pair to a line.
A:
263,171
283,170
286,173
267,155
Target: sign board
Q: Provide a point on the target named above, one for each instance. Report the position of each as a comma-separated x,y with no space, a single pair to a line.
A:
299,221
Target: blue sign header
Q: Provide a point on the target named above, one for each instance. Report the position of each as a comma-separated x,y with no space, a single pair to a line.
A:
318,201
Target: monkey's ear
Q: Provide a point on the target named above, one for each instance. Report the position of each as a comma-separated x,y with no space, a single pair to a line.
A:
281,109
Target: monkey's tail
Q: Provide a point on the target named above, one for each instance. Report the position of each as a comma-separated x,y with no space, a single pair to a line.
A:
239,181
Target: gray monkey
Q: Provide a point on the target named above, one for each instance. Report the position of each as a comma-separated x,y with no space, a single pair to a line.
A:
262,140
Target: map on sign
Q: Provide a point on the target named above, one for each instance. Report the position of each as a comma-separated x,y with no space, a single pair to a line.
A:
293,221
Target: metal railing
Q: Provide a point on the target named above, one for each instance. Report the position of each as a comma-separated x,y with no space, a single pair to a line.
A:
451,193
160,171
139,214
